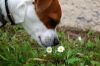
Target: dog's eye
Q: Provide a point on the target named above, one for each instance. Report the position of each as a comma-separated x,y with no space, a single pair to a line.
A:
53,22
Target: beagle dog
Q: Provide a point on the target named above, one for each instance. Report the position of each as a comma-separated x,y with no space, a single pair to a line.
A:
38,17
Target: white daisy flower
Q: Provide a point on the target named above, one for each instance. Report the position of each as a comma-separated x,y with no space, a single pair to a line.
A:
60,49
49,49
80,38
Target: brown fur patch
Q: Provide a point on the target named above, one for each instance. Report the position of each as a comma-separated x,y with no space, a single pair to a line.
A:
49,12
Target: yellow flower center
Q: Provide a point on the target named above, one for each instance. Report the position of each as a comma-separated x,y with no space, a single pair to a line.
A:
49,49
61,49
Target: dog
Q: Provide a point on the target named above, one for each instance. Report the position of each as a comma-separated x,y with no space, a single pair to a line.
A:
38,17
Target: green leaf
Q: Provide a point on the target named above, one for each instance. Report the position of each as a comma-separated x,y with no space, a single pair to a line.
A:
29,64
73,60
3,58
95,63
42,65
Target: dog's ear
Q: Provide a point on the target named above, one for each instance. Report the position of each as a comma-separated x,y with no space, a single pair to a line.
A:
42,5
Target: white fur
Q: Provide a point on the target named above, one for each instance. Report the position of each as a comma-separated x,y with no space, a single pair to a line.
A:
24,13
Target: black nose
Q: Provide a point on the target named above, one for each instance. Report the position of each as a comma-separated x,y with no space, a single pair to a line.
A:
56,41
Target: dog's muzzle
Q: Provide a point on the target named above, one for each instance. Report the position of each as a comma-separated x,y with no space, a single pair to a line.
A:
49,38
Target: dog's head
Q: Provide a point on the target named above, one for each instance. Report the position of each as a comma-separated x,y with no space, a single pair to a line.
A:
49,13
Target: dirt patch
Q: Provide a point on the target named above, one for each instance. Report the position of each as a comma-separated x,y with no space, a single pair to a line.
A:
81,14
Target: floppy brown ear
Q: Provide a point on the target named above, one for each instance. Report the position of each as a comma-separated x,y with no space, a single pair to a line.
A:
42,5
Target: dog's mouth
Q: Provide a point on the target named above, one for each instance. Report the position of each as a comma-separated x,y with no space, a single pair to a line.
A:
42,42
45,44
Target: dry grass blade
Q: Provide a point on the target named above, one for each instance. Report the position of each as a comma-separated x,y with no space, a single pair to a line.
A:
39,59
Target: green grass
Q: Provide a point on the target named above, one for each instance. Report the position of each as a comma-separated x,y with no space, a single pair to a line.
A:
18,49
